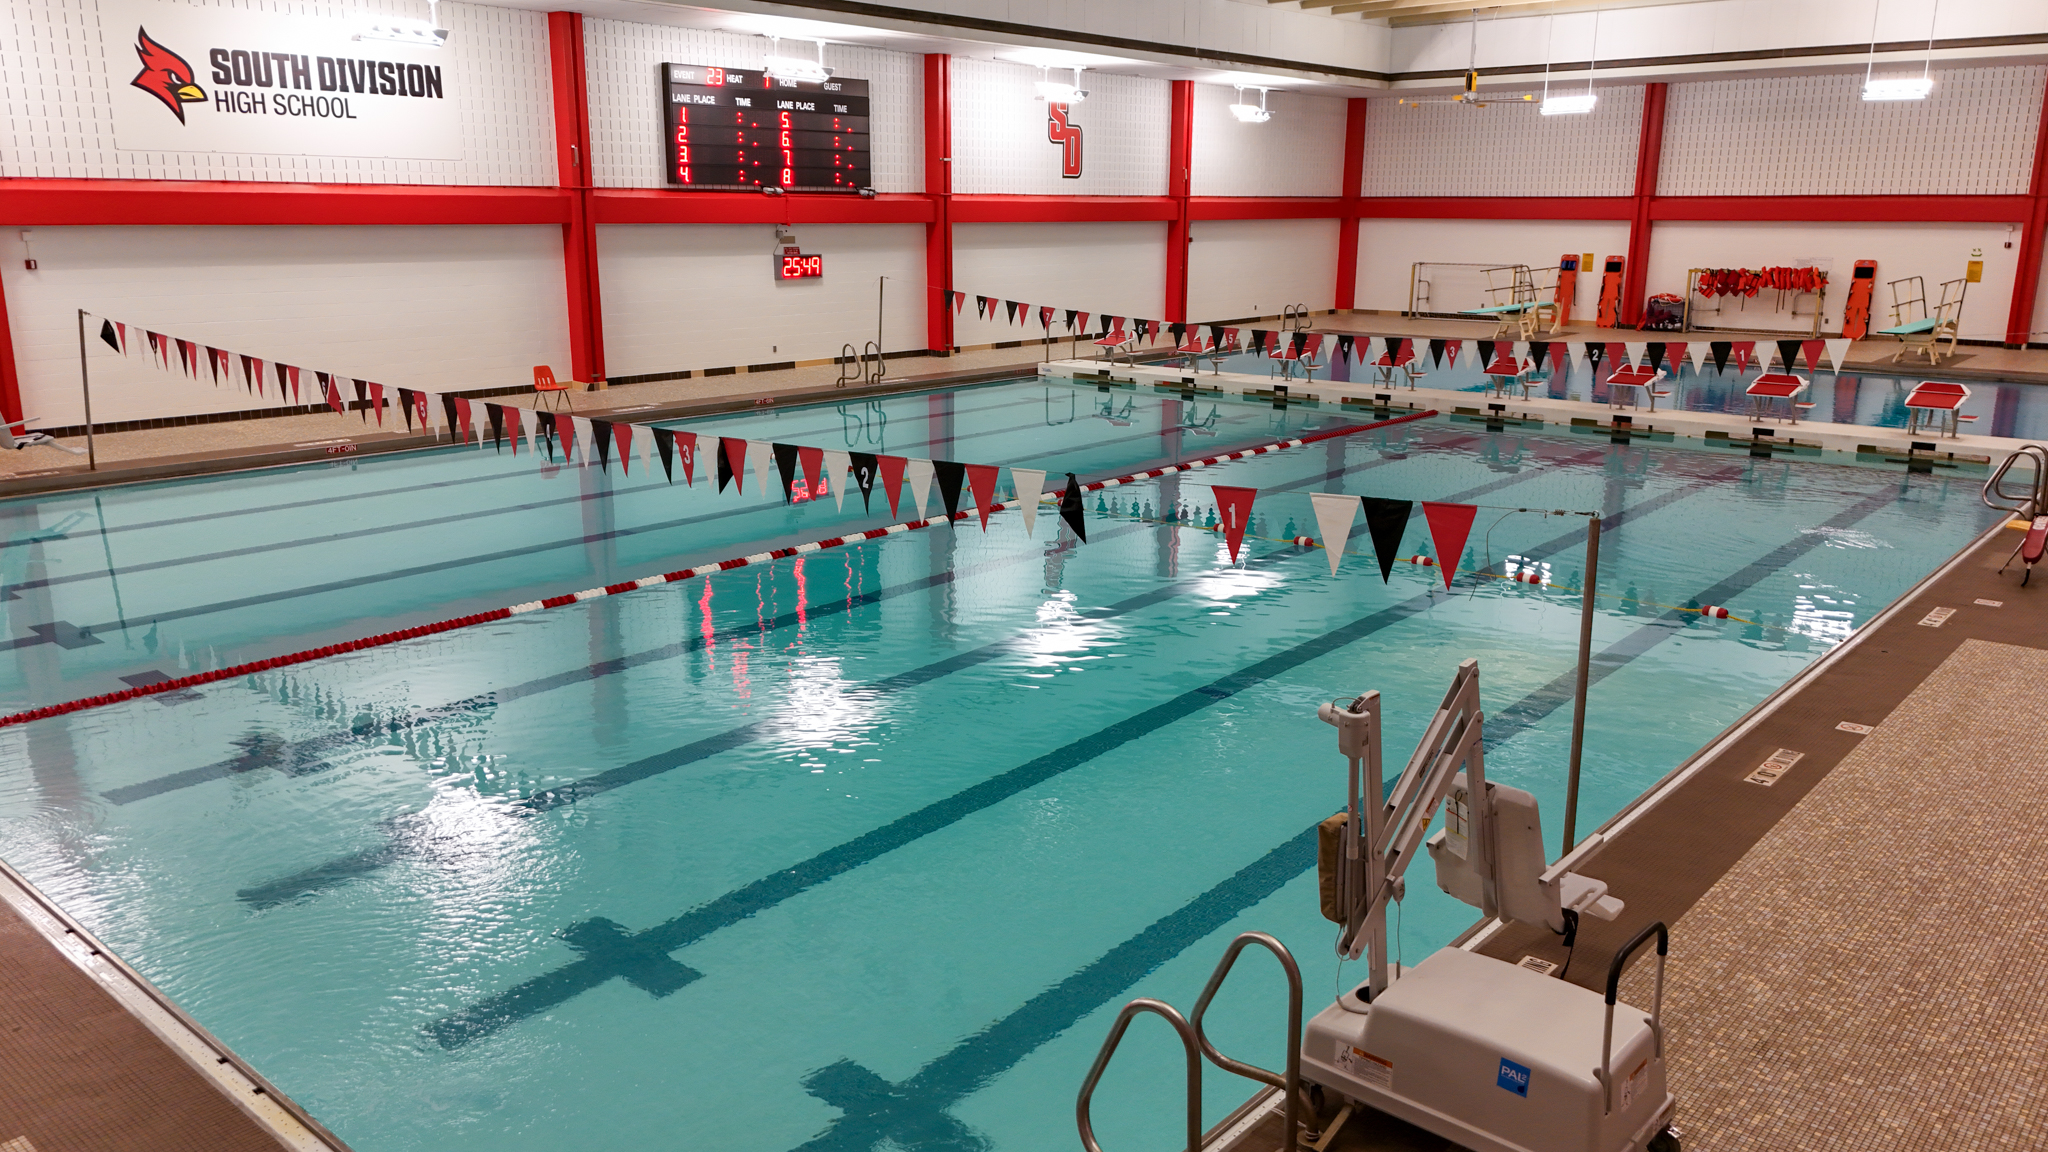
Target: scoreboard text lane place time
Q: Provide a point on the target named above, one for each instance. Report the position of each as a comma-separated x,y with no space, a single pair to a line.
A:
742,131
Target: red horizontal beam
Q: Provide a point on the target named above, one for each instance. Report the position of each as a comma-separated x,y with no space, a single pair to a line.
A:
659,206
1845,209
1060,209
1496,207
79,202
1266,208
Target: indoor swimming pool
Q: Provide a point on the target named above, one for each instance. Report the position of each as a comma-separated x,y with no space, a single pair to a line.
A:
859,850
1874,399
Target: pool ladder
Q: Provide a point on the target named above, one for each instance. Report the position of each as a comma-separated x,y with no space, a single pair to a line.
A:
862,367
1197,1046
2031,504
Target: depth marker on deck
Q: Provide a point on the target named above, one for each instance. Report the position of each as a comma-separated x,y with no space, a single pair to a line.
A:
1780,762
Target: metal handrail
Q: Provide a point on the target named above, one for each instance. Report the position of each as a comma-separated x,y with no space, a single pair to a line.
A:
2031,505
1656,1021
1288,1082
1188,1041
875,350
849,358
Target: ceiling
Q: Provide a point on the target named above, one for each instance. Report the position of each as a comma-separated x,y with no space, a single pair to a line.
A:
1400,13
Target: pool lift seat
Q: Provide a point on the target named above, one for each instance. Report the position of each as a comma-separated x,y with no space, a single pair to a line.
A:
1487,1054
2030,507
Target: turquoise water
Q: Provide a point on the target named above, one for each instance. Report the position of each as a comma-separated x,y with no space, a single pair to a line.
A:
1867,398
861,850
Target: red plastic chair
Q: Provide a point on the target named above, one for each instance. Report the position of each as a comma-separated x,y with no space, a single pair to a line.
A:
544,381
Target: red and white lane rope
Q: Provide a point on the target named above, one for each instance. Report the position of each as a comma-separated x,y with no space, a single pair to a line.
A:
496,614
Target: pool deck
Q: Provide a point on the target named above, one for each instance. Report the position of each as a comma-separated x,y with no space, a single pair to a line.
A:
1854,959
94,1058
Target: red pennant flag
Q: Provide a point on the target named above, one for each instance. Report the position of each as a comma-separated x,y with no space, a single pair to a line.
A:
419,400
121,330
216,361
1617,355
1315,341
334,398
1234,506
981,480
1814,350
1407,353
959,302
1744,349
622,437
1045,318
1449,525
686,445
892,477
293,375
511,425
1083,320
188,357
462,415
813,460
1229,337
377,402
1451,350
1675,352
735,452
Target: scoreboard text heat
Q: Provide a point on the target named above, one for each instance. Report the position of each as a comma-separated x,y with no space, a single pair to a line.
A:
743,131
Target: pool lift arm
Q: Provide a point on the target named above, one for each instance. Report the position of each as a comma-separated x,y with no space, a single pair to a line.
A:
1488,1054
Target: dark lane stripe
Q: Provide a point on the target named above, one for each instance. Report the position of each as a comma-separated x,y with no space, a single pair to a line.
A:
624,954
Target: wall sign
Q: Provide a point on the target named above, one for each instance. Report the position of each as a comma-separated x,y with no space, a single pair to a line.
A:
795,265
740,131
236,80
1062,131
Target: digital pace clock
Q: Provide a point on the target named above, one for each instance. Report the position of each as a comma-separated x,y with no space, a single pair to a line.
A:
798,266
729,130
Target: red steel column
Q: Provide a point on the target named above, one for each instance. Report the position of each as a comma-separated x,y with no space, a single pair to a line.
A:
1180,151
10,379
2026,285
1649,154
938,187
1347,224
572,165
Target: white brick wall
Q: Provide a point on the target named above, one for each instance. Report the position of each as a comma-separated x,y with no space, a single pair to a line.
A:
1257,267
1299,152
1504,149
1113,267
999,133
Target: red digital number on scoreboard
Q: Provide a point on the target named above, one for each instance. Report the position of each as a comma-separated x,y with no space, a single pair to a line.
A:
797,266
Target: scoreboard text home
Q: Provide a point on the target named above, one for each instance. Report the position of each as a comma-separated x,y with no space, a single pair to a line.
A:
741,131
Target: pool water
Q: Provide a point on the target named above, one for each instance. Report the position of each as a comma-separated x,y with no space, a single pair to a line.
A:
864,849
1867,398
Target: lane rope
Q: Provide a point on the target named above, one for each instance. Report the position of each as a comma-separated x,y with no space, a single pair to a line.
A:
496,614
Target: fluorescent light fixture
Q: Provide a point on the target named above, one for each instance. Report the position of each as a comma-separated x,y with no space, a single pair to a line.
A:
1898,88
1249,113
418,33
1577,102
1054,92
794,67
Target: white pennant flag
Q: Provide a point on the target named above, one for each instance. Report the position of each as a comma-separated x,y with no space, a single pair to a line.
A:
1697,353
1521,351
1637,354
529,423
643,437
1836,350
586,439
1334,513
837,465
1030,485
918,475
761,461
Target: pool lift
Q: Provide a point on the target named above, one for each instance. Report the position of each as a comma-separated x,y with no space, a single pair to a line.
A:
1493,1056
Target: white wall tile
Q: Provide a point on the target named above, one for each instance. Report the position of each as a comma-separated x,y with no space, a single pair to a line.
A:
624,61
1242,268
687,296
1119,268
58,65
1816,136
1504,149
1299,152
1000,146
428,307
1388,249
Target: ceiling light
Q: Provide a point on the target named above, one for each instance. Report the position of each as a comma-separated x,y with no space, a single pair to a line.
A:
1898,88
1250,114
1577,102
418,33
1054,92
783,67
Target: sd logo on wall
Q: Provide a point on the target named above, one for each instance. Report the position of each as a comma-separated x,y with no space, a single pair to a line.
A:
231,80
1061,130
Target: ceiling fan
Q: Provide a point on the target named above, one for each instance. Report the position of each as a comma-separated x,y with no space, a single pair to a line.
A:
1470,96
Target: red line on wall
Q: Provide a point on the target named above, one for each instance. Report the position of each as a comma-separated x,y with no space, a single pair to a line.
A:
659,206
1843,209
30,203
1496,207
1649,155
1354,184
1180,157
2026,286
1059,209
938,190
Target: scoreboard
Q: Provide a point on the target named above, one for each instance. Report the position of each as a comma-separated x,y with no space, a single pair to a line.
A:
729,130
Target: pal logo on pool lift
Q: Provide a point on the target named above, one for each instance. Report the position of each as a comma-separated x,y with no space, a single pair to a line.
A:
1513,1077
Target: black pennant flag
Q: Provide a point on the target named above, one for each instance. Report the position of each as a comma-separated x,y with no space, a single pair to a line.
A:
1176,330
1300,342
1011,307
601,431
107,334
864,471
665,444
1436,352
406,401
544,423
1071,508
1386,520
724,465
1485,354
980,306
1788,351
1655,352
785,463
362,396
497,414
1595,354
950,474
1720,350
1344,347
1071,313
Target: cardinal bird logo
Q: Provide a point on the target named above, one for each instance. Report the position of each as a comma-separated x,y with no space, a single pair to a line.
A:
165,75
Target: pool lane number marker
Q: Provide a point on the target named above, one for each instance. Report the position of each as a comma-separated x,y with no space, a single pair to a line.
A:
1852,726
1779,763
1991,603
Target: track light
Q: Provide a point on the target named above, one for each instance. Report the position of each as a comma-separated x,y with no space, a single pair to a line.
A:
1577,102
783,67
1898,88
1054,92
1247,113
419,33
